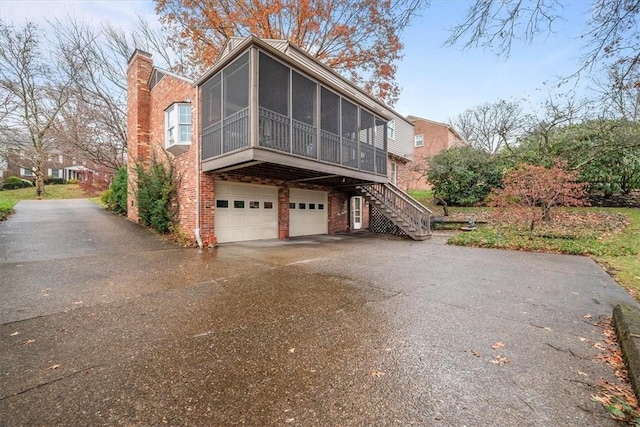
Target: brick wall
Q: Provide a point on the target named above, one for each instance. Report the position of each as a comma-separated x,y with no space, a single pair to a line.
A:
138,72
437,137
166,92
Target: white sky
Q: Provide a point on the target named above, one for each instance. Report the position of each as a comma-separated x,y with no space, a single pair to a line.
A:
437,82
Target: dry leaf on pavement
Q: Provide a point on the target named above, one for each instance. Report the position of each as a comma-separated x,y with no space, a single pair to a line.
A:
497,345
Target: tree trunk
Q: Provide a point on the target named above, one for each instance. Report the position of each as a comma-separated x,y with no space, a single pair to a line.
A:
546,213
39,179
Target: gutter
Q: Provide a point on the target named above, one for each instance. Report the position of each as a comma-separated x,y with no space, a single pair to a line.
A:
197,167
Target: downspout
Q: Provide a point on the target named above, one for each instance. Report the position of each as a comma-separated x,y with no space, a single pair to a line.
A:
197,167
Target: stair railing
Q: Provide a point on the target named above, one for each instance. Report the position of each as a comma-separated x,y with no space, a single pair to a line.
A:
407,208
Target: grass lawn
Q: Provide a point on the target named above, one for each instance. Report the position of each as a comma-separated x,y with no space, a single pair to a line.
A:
8,198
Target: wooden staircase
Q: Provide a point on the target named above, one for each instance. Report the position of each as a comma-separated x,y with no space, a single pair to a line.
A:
400,208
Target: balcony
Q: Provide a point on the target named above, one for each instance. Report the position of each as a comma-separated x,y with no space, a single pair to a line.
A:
260,110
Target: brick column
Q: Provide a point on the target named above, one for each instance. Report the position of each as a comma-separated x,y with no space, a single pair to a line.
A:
283,212
138,73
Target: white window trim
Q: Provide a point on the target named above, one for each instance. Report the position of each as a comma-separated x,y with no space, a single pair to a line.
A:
391,129
418,140
23,172
173,125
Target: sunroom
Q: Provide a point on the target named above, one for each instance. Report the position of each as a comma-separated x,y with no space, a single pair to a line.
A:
268,109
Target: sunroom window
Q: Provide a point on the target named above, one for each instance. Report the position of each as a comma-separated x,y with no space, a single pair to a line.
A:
178,127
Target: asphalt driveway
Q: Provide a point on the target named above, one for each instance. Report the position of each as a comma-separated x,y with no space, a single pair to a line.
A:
103,323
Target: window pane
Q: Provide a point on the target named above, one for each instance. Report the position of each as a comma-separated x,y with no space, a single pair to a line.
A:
302,206
185,114
349,120
185,133
329,111
320,206
254,205
236,85
312,205
273,85
238,204
292,205
222,203
170,117
212,101
268,205
303,92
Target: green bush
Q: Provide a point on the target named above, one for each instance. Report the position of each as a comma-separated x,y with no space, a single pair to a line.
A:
13,182
72,181
156,196
464,176
116,196
53,181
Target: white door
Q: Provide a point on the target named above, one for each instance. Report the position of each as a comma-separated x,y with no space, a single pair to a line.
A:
307,212
356,208
245,212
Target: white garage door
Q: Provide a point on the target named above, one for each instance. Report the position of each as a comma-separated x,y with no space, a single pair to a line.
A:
245,212
307,212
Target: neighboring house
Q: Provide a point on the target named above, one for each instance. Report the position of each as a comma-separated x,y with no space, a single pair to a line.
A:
57,165
430,138
269,143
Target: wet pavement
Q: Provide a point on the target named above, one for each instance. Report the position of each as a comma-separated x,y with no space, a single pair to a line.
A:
103,323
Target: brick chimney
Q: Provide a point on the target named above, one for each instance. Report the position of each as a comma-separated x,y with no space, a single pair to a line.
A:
138,120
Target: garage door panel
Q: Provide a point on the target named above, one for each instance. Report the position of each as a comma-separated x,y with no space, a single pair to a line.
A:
308,212
243,220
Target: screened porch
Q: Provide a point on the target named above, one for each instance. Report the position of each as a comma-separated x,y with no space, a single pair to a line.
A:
260,103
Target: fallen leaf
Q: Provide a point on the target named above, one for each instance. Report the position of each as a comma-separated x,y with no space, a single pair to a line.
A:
599,346
292,350
588,316
53,367
582,373
500,360
497,345
78,302
29,341
475,353
289,420
582,339
546,328
14,334
375,373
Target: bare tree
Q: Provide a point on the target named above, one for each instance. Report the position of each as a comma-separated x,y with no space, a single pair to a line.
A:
94,122
491,126
611,31
620,93
37,81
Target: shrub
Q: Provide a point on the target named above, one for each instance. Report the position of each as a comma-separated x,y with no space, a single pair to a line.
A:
116,196
464,175
13,182
72,181
53,181
530,192
156,196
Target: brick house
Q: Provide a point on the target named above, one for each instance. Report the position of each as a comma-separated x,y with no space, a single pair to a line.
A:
58,164
430,138
270,143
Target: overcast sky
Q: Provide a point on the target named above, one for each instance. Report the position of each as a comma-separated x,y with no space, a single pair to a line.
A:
437,82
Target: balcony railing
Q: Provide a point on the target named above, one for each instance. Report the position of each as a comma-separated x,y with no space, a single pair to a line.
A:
229,135
274,130
279,132
304,139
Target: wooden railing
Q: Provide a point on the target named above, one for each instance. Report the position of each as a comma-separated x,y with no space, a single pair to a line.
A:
407,209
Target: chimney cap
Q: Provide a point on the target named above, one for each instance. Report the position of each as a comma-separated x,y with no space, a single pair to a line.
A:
139,52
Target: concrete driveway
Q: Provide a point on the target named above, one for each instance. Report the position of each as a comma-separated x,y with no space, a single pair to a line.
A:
103,323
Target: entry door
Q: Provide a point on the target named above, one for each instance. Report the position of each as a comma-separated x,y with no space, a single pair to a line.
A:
356,208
